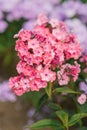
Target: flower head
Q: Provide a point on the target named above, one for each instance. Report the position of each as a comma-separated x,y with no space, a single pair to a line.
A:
43,49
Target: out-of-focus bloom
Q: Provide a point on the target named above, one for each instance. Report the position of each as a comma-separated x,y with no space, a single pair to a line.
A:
82,29
83,60
28,25
3,26
1,15
8,6
83,86
84,57
82,99
6,93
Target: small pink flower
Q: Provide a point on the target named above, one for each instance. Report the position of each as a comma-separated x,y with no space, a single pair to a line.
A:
19,85
37,84
81,99
74,71
24,35
33,44
47,75
54,23
63,78
85,70
72,50
42,19
68,71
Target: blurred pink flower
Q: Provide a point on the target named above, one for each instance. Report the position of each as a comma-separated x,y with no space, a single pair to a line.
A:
3,26
82,99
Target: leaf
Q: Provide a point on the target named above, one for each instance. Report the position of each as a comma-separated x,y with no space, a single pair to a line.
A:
77,117
82,108
46,123
41,102
66,90
63,116
54,106
83,128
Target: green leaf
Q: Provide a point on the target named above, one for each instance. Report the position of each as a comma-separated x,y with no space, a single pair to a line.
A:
54,106
83,128
82,108
66,90
63,116
77,117
46,123
43,99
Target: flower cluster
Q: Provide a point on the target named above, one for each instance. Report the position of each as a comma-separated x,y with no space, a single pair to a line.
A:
48,46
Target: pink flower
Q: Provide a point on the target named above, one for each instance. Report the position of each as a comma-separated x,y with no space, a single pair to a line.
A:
42,19
47,75
84,57
54,23
68,72
74,71
72,49
85,70
23,35
81,99
37,84
47,47
22,48
63,78
33,44
19,85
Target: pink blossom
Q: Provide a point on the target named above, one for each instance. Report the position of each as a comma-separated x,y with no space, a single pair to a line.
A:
83,58
63,78
42,19
81,99
19,85
68,72
54,23
85,70
34,43
47,47
37,84
74,71
23,35
72,50
48,75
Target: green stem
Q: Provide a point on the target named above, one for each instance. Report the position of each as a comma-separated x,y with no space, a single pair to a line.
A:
48,90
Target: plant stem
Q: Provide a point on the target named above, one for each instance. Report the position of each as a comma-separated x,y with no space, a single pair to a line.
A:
49,90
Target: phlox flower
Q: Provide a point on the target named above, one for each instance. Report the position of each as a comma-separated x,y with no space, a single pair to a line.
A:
67,72
63,78
37,84
43,49
48,75
82,99
42,19
19,85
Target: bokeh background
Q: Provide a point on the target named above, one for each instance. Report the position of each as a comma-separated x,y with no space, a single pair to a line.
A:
17,112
